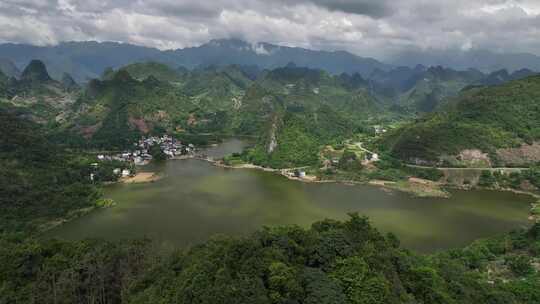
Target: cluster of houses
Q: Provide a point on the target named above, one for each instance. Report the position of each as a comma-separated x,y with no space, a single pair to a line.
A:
140,154
379,129
168,145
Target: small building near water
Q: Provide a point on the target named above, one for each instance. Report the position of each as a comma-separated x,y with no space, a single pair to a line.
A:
300,173
126,173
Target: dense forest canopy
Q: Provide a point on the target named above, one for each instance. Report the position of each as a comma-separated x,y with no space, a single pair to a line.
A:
39,182
332,262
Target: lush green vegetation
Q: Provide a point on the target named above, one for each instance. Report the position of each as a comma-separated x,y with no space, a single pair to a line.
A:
434,86
157,153
156,99
485,119
298,110
3,85
39,182
75,272
515,180
295,110
332,262
152,98
141,71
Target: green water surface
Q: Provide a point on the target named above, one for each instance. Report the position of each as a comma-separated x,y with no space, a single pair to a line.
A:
196,200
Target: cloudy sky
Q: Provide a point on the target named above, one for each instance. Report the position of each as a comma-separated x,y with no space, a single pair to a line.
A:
377,28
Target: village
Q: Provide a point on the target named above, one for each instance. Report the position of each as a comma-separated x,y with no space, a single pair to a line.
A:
143,152
145,149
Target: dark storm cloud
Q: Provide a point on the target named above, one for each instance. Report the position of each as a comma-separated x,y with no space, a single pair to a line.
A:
372,8
366,27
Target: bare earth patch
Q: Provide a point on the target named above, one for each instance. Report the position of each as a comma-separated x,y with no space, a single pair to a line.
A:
142,177
525,154
140,124
88,132
474,158
415,186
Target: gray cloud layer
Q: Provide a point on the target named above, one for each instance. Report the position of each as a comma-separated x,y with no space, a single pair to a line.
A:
375,28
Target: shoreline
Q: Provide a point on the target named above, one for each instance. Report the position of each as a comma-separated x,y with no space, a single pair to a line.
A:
429,188
101,203
415,186
140,178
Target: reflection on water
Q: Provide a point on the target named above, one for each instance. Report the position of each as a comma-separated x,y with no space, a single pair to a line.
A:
196,200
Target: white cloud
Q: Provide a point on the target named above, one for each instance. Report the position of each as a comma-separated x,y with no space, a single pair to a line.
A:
260,49
375,28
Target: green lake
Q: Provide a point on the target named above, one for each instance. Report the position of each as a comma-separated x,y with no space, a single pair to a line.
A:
196,200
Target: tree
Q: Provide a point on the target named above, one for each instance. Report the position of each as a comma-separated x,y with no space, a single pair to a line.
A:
359,284
157,153
520,265
282,283
321,289
349,161
428,286
487,179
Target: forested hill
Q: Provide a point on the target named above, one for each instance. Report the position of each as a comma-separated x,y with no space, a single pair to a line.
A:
149,98
293,110
152,98
3,85
39,182
298,110
494,120
43,98
426,89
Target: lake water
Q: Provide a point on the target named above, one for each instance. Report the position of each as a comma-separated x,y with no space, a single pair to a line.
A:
196,200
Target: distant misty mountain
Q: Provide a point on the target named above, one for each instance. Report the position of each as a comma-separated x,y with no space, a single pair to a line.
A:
424,89
86,60
269,56
483,60
503,76
8,68
82,60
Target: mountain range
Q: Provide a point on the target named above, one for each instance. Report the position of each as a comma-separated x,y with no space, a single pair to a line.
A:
291,110
425,89
88,59
483,60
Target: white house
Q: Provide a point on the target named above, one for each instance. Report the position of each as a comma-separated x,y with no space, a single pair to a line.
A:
300,173
126,173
